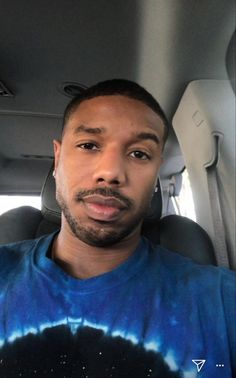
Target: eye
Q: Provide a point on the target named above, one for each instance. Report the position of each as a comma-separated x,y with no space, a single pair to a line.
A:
140,155
87,146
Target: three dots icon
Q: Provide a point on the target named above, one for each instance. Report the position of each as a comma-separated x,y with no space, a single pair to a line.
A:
220,365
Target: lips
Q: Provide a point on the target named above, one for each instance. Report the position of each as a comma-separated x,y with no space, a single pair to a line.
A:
103,208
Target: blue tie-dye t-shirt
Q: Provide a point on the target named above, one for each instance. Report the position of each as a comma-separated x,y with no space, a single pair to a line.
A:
150,317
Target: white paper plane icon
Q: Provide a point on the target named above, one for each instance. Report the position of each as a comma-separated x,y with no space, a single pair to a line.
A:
199,364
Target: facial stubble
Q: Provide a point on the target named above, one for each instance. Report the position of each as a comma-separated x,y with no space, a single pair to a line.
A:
102,234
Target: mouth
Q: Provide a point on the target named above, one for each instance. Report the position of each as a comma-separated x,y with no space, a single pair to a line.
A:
102,208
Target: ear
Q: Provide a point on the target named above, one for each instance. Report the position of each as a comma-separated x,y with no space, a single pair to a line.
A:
57,151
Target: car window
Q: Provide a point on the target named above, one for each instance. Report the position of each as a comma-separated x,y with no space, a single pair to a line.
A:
11,202
184,203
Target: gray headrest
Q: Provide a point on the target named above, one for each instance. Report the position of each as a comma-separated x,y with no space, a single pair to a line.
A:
50,208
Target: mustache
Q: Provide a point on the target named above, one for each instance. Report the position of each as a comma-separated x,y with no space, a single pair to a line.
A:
105,192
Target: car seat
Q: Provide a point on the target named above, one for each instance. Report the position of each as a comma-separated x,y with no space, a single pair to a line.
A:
174,232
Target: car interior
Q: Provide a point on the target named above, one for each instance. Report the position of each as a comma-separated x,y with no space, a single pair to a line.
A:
183,52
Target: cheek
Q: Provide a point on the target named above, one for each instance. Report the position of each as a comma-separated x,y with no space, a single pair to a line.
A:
144,180
74,171
144,191
148,193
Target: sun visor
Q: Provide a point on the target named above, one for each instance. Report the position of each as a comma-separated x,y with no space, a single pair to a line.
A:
205,127
206,107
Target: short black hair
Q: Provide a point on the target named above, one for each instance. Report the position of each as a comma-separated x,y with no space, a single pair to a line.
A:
121,87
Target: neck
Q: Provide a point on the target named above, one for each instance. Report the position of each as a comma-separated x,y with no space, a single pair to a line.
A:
81,260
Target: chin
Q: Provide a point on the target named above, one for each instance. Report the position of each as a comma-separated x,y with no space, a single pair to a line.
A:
100,237
101,234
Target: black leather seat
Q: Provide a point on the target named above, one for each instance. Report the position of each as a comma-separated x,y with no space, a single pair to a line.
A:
174,232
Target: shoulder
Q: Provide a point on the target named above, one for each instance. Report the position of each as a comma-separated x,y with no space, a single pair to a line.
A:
12,254
205,288
180,269
14,251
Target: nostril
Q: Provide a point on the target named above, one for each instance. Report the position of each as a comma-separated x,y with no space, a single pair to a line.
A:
111,181
116,182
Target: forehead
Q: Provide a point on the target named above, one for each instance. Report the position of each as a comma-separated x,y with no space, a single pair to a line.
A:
115,111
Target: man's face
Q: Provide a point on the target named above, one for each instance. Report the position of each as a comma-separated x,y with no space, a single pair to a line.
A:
106,168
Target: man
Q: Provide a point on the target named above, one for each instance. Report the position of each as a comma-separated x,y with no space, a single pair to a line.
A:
97,299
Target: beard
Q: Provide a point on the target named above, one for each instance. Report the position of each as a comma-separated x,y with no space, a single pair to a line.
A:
101,233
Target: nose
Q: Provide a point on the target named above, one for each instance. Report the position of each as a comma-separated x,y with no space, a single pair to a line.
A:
110,168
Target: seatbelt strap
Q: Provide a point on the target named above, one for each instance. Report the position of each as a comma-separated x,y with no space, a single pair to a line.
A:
219,241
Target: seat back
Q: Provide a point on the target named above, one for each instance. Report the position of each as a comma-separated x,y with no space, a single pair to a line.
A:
174,232
26,222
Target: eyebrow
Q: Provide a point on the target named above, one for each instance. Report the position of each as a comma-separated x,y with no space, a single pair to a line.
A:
90,130
100,130
150,136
